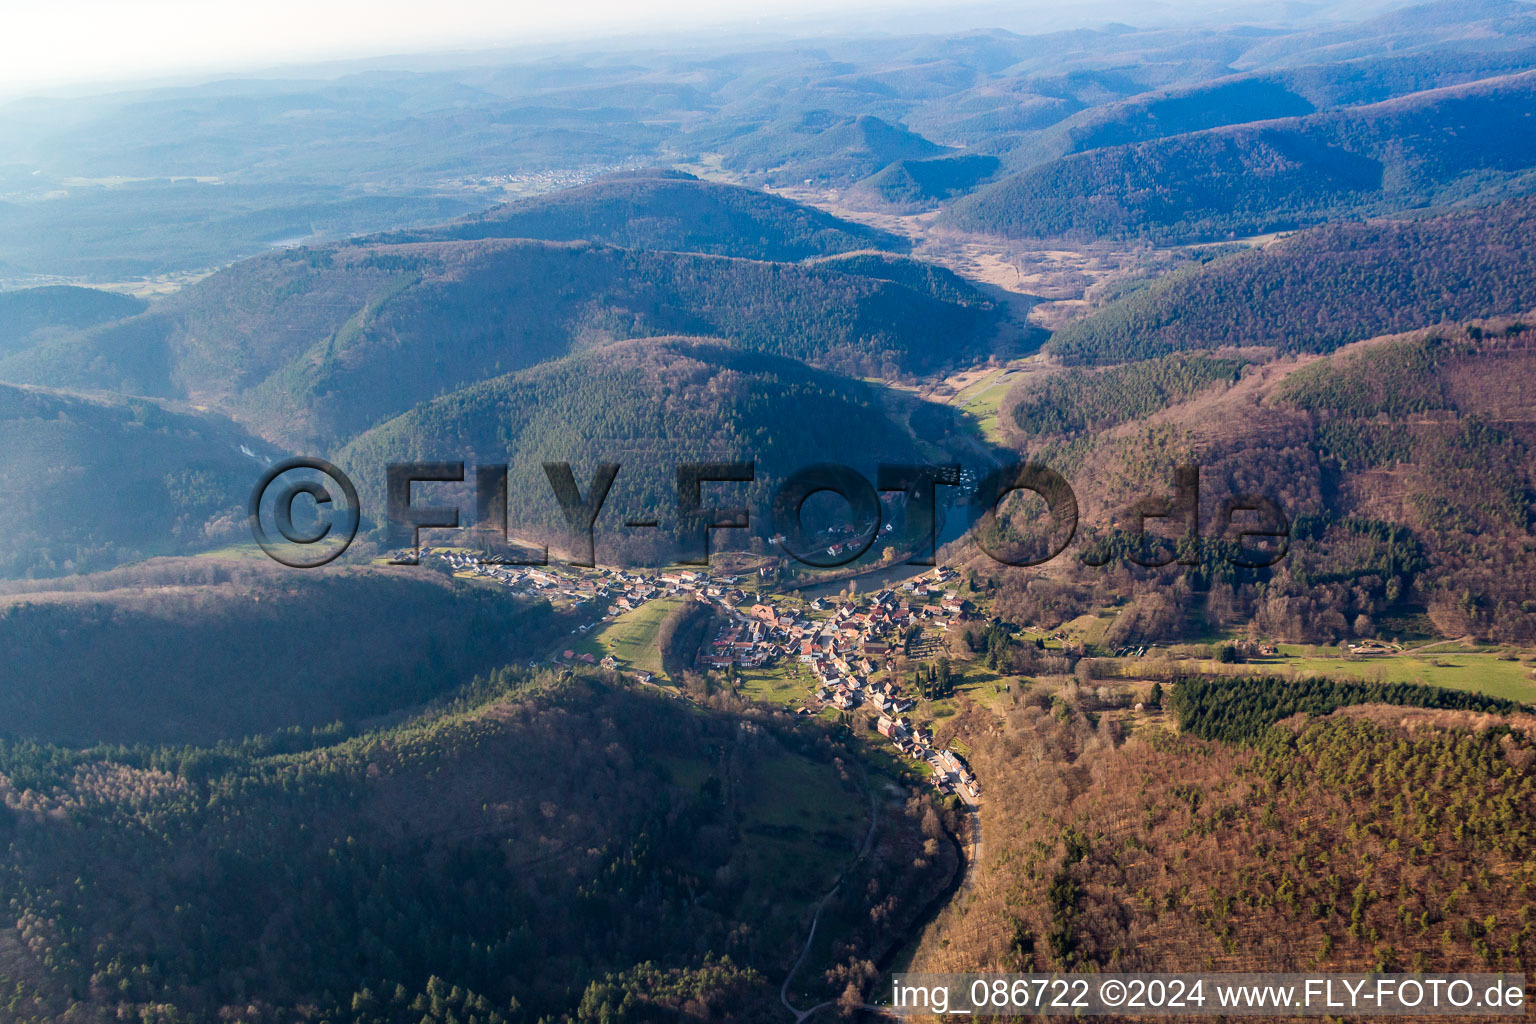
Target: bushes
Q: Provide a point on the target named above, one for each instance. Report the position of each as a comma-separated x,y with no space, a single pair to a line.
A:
685,628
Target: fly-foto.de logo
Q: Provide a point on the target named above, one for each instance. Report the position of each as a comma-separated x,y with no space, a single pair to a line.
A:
1253,530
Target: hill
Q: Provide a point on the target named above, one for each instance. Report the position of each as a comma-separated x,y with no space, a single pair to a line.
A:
671,211
1324,844
648,405
28,315
1165,112
104,657
815,145
918,184
1317,290
1261,95
310,348
1403,466
1440,146
922,277
93,482
465,859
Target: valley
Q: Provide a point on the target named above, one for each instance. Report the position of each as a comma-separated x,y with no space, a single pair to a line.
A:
1253,285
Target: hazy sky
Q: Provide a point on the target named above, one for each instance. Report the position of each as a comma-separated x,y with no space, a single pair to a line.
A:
43,42
50,42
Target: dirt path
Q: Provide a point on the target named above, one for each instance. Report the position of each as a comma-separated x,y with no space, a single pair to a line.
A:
869,841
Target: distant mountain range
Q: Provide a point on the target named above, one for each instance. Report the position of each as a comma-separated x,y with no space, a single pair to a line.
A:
306,347
670,211
1469,142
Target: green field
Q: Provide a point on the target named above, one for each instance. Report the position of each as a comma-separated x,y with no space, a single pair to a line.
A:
788,681
796,812
982,403
1481,673
631,638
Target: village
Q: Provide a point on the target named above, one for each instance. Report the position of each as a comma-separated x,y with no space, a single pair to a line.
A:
843,643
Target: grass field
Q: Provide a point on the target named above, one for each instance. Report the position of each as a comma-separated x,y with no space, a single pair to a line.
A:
1479,673
983,401
631,638
788,681
796,812
1090,628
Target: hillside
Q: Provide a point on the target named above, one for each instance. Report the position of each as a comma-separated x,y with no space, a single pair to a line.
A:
93,482
923,184
29,315
1444,145
533,849
1264,95
1163,113
816,145
670,211
311,347
104,657
1328,844
922,277
1403,465
1320,289
649,406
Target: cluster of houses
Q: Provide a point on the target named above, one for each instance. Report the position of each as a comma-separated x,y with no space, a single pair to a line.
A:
624,589
841,649
844,650
950,772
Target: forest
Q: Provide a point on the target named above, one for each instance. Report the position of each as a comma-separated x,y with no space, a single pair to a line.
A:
649,406
1436,147
1363,840
635,855
1317,290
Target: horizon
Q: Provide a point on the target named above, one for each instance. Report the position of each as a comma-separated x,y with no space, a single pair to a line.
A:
44,57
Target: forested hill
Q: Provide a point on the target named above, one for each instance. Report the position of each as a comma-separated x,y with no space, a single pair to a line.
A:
1261,96
927,278
106,657
536,849
1434,147
1403,464
312,347
671,211
1323,288
647,405
813,145
91,482
28,315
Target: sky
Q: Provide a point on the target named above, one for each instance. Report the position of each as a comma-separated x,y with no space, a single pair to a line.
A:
61,41
47,43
